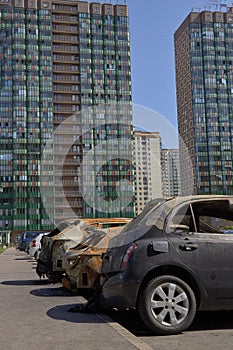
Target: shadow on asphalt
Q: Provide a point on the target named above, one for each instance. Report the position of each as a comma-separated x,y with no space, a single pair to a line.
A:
52,292
61,312
212,320
130,320
27,258
203,321
25,282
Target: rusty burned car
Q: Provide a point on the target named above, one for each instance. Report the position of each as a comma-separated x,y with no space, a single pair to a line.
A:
66,235
173,259
83,262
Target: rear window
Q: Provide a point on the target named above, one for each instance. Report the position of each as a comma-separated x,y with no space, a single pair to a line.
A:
31,234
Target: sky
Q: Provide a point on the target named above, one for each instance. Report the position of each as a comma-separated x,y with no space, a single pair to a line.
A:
152,27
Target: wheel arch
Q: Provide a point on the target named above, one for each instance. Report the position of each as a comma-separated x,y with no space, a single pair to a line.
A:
176,271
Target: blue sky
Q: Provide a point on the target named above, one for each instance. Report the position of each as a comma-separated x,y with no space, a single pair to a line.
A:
152,27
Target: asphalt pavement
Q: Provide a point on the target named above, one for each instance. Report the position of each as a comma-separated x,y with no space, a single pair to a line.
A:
34,314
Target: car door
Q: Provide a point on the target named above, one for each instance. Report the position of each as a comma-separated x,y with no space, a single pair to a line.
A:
211,257
209,254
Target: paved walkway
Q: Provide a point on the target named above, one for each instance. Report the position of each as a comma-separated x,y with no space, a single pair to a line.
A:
34,314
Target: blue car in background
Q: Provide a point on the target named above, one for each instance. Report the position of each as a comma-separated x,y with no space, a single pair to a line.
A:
26,237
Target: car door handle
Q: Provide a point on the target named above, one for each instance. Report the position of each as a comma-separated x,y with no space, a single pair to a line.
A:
188,246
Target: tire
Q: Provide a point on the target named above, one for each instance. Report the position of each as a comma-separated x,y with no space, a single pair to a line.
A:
167,305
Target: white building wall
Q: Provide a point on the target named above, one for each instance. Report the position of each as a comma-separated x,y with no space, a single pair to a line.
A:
148,167
170,173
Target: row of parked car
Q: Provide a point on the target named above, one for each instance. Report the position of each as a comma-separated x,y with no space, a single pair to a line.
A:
173,259
30,242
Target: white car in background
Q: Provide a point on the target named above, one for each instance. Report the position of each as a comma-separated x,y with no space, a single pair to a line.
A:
35,245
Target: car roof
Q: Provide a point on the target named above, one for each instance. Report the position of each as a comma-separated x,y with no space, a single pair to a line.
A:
155,214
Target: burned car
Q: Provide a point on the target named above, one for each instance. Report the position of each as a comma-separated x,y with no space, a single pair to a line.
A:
83,262
66,235
170,261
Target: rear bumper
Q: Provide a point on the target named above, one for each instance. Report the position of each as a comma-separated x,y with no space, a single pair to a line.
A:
118,293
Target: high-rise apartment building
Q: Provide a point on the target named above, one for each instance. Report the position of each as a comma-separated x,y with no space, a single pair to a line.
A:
204,80
91,67
147,155
26,119
170,164
57,59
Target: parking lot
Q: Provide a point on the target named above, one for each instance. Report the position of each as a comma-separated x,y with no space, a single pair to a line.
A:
34,315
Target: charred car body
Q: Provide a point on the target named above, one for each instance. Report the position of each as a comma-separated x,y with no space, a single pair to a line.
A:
83,262
171,260
66,235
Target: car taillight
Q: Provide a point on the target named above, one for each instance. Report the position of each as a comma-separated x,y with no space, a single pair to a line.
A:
127,256
33,243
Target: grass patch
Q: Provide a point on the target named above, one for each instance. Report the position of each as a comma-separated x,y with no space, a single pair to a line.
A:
2,249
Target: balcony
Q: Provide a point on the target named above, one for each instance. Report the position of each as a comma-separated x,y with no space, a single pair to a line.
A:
64,18
65,29
65,58
68,161
66,79
74,99
64,8
66,38
66,68
65,48
68,193
66,109
63,150
65,171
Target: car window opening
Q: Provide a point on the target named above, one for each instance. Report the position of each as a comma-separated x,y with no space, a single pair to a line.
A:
203,217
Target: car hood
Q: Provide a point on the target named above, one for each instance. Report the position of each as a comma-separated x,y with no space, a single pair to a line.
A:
73,233
95,243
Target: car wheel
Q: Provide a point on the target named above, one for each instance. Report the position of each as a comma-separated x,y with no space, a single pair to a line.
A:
167,305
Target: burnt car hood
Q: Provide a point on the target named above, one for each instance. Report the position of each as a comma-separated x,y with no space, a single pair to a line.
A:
95,243
72,231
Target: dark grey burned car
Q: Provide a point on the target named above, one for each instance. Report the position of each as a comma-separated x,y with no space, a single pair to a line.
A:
176,257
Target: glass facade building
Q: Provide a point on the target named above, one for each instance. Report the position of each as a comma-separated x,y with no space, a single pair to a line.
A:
25,112
65,76
204,65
